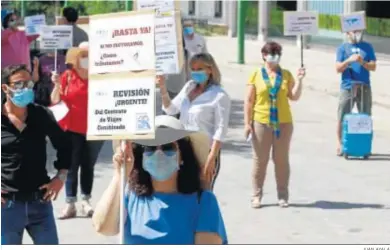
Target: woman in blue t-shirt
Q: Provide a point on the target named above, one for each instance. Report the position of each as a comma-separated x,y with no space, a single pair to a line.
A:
164,201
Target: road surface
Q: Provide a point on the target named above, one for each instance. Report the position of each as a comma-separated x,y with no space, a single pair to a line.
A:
333,201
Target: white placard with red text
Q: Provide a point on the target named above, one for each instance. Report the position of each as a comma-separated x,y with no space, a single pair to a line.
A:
121,43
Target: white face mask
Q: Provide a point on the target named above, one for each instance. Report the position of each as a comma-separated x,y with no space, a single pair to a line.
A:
12,24
274,59
84,62
356,37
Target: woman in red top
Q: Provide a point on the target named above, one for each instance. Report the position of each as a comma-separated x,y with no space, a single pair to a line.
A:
72,89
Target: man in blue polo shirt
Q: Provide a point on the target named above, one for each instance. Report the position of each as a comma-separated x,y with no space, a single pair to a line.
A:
355,59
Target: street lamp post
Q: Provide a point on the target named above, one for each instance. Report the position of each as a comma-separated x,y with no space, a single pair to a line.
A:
241,30
22,8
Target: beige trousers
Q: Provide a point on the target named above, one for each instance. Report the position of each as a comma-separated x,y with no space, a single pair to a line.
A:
263,140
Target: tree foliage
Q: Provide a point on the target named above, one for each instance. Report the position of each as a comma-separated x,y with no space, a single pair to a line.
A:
50,7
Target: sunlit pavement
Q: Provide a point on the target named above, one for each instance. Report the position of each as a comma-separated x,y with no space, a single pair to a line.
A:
332,200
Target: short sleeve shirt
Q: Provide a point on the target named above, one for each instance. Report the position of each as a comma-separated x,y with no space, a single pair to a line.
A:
172,219
356,72
263,102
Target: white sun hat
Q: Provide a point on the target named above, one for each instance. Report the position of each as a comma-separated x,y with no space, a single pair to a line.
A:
169,129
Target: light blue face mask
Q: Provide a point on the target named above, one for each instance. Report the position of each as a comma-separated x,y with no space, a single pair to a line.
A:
188,31
160,164
22,97
199,77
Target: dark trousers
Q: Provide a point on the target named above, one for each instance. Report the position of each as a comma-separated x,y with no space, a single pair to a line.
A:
84,157
35,216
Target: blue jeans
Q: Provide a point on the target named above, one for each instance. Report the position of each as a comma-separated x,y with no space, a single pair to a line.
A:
35,216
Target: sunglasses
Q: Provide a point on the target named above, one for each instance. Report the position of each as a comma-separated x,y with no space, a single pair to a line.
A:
168,149
22,84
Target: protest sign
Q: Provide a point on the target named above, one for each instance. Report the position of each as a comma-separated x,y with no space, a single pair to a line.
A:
168,36
353,21
32,24
56,37
121,108
121,88
121,42
300,23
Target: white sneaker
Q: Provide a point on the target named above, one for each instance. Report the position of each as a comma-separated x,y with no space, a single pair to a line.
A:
283,203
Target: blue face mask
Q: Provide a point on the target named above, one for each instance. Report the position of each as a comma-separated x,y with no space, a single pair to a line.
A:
199,77
160,165
22,97
188,31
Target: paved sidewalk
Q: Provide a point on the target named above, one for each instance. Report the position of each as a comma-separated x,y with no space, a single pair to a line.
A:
333,201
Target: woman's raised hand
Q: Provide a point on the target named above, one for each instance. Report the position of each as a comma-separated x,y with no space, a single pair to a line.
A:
160,81
55,78
301,73
123,154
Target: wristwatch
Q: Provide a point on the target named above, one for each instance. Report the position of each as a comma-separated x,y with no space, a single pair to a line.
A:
62,176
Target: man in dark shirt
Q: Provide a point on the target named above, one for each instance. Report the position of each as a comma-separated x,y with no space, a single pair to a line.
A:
26,189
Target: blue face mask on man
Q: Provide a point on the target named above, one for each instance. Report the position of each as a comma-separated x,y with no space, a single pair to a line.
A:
160,164
199,77
188,31
22,97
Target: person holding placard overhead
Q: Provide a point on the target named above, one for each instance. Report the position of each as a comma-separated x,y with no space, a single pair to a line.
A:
268,120
203,105
15,44
164,202
72,89
354,61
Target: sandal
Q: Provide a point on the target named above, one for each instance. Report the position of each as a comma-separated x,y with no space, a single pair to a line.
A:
256,202
87,209
69,212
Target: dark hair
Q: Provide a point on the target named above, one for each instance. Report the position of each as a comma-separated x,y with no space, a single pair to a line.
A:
188,180
6,20
71,14
272,48
8,71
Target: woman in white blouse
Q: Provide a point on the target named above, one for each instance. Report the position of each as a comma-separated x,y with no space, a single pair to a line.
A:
202,105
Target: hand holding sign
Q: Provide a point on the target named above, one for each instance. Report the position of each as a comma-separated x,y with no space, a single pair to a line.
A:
355,58
301,73
55,78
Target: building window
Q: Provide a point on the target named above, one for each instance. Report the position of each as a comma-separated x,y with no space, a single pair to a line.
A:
191,7
217,8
